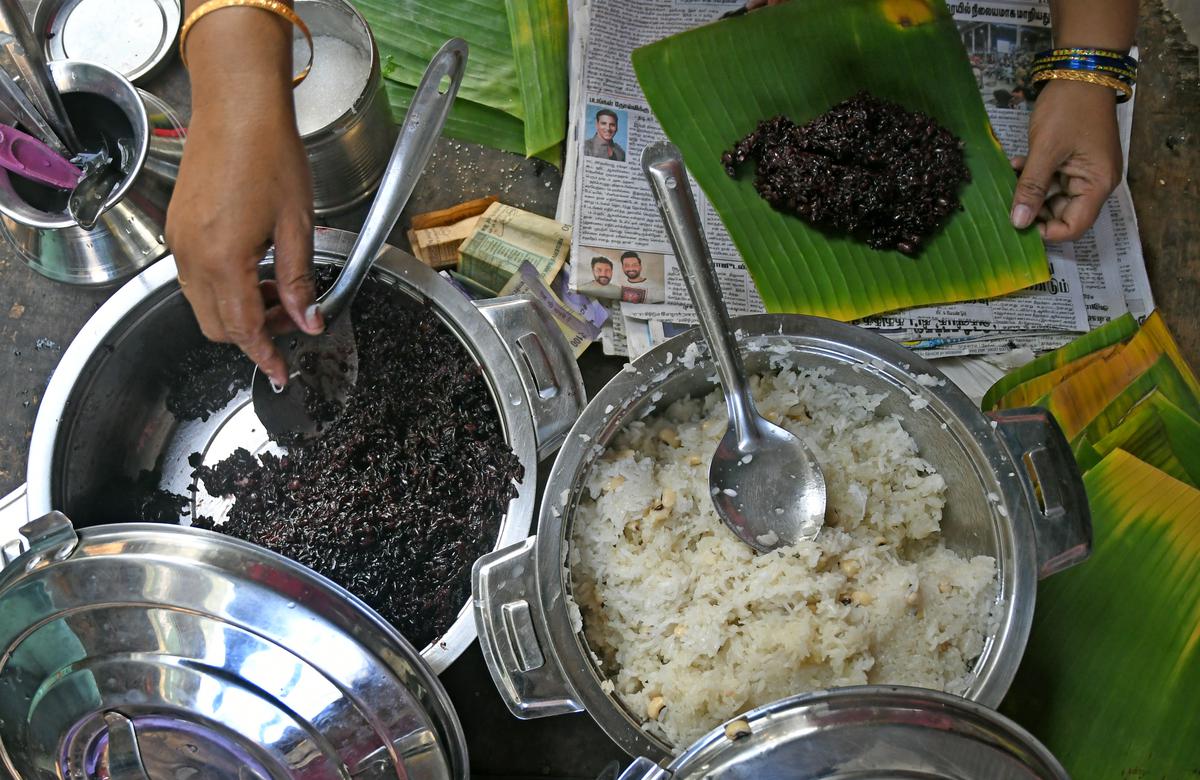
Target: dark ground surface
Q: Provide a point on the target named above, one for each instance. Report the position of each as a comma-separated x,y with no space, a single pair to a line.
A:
38,319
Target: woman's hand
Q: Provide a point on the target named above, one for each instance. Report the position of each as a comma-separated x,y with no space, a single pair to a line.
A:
1074,160
244,184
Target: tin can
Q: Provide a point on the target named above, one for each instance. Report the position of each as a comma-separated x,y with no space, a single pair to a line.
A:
342,109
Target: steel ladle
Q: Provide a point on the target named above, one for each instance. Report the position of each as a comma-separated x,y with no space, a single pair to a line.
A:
765,483
327,365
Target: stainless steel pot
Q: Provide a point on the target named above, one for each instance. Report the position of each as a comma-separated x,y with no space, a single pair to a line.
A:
995,470
135,651
102,419
129,234
862,731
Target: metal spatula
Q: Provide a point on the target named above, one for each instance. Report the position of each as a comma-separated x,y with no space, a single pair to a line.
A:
324,369
766,485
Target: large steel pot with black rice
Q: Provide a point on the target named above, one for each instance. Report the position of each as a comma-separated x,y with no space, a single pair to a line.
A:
103,419
1013,493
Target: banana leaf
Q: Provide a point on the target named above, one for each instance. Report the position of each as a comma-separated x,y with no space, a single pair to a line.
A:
710,86
1163,377
1109,679
1112,332
1026,393
1159,433
1083,395
514,93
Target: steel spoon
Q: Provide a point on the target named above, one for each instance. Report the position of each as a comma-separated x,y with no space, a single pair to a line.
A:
325,367
23,51
765,483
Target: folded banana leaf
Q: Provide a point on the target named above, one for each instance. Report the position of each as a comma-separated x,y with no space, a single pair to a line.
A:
710,86
1082,396
514,93
1159,433
1112,332
1109,679
1027,393
1163,378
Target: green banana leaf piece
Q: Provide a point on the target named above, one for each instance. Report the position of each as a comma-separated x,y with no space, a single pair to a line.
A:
1112,332
1079,398
710,86
1109,679
1163,377
514,93
539,43
468,121
1160,434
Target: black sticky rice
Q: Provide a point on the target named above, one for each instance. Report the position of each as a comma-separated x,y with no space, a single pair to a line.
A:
867,168
402,493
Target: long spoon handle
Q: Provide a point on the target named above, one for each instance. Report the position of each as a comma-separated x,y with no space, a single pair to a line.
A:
418,135
668,179
24,52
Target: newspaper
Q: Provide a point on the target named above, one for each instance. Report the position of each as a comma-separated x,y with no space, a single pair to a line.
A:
620,251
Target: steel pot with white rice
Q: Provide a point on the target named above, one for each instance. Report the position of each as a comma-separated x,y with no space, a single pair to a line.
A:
635,603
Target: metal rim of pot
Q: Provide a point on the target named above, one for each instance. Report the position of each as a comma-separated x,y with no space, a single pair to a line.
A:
541,664
863,731
140,650
530,370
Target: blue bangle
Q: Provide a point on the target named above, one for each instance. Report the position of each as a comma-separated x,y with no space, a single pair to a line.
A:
1109,63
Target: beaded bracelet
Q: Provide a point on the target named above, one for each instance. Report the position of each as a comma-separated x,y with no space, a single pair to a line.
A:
273,6
1093,66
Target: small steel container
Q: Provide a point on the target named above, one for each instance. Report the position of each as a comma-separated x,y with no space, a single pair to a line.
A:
1013,493
129,234
868,731
348,154
135,651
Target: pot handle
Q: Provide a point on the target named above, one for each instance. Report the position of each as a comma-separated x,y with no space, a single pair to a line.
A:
14,513
513,638
1053,486
545,363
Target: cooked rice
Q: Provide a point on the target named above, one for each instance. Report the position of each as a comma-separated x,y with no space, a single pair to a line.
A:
693,627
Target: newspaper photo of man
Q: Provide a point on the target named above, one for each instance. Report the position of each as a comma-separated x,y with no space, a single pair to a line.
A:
602,270
603,143
631,264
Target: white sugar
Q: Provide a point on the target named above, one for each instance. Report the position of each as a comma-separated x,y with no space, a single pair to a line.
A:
339,72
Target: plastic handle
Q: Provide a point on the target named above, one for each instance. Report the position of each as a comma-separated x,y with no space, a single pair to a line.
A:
420,131
23,154
668,179
1050,476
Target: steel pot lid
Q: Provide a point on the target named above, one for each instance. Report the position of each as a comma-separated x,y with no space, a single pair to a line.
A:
139,651
866,732
133,37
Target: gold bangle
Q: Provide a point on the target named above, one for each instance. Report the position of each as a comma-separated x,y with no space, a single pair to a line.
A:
1124,92
274,6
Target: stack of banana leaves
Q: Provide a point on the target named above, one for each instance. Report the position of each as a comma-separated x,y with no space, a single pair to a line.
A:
514,93
1110,678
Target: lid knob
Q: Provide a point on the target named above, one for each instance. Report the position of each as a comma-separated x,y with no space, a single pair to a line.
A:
124,758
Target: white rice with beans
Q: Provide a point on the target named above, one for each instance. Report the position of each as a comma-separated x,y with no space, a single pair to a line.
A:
692,627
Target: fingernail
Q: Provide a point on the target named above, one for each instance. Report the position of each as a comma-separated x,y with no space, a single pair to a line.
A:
312,317
1022,216
277,387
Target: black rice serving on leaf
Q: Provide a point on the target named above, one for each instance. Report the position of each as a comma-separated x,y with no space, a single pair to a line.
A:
402,493
867,167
